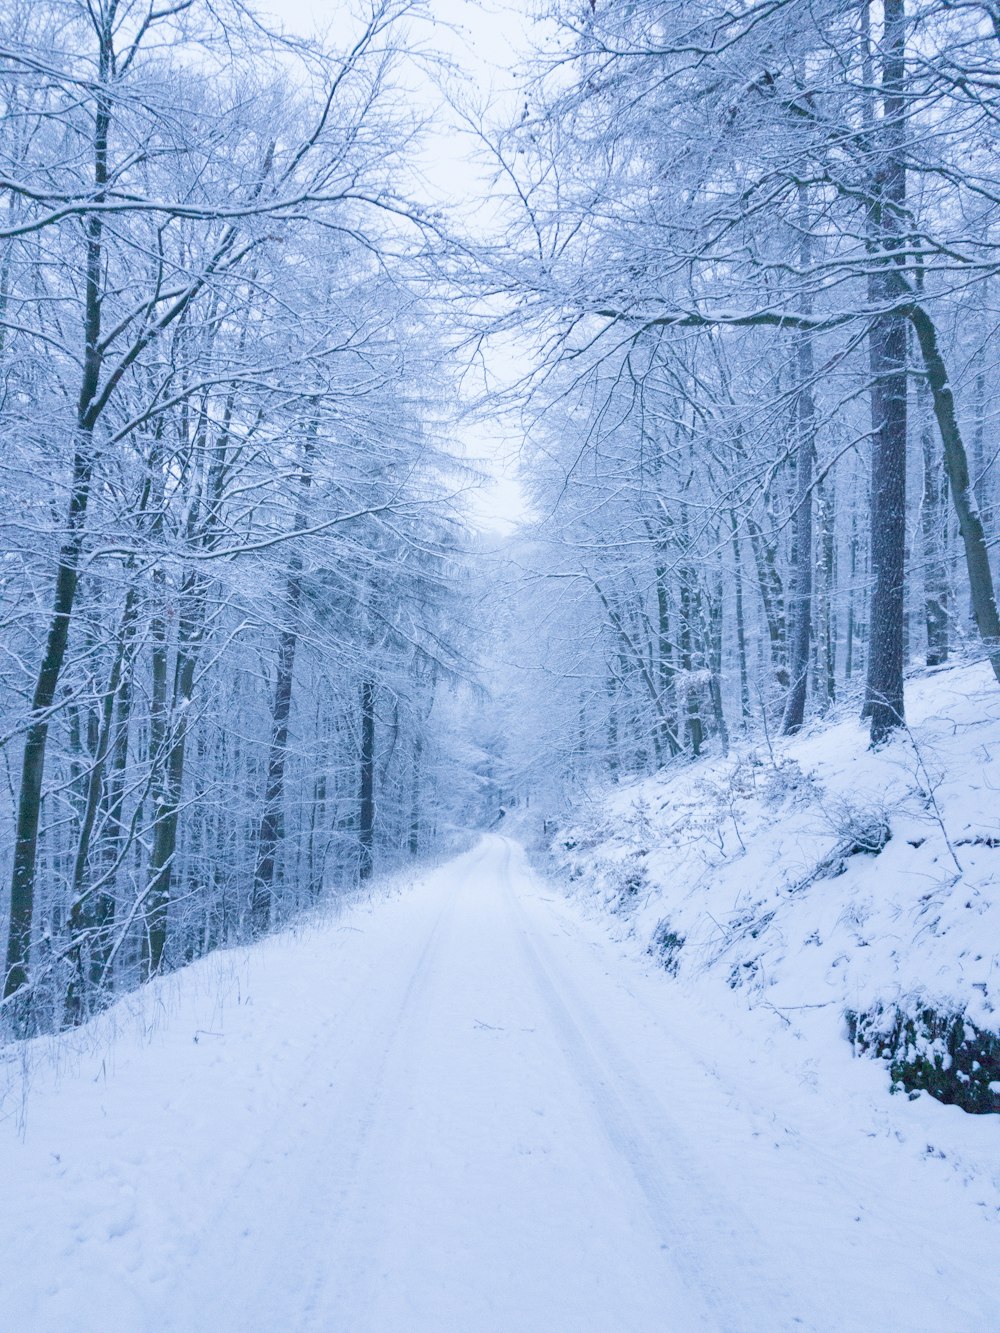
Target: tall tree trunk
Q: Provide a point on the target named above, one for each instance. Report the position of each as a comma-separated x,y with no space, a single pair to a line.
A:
415,776
854,551
317,819
22,889
802,540
970,525
172,733
366,792
713,653
272,818
690,613
826,506
978,468
933,525
887,348
667,739
741,640
90,920
884,701
114,826
613,758
772,598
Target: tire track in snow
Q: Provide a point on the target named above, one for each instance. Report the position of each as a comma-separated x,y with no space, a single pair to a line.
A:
359,1117
691,1215
484,1198
313,1180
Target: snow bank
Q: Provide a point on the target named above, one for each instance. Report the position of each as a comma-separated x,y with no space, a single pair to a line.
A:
813,876
124,1141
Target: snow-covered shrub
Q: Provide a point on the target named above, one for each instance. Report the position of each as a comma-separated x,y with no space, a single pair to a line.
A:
666,946
786,782
862,828
627,880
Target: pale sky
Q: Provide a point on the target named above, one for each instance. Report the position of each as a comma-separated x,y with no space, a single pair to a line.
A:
484,40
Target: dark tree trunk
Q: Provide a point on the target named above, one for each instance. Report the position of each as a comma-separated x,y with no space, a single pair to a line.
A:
970,525
667,739
979,468
317,816
171,742
713,652
366,794
612,691
414,838
826,503
772,598
802,542
934,526
888,359
690,612
741,639
852,593
91,917
114,826
884,702
22,889
272,819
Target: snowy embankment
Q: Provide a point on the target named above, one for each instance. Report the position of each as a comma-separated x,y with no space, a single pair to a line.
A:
850,897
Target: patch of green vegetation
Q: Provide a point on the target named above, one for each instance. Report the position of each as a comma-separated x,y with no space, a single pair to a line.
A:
944,1054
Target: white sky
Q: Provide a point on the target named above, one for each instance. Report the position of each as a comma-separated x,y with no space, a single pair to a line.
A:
484,41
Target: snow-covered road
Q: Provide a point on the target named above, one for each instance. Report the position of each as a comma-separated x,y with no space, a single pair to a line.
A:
460,1109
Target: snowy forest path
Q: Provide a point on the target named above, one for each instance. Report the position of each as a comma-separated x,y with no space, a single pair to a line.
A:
456,1109
489,1175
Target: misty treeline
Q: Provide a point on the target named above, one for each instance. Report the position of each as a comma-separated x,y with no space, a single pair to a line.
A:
758,248
228,543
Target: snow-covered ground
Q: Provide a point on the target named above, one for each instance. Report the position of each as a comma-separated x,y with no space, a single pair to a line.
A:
464,1108
814,875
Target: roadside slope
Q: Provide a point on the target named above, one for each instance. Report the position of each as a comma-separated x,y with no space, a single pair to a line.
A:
841,891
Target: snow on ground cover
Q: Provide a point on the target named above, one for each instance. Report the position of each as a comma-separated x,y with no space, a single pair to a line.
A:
763,862
801,880
464,1108
120,1140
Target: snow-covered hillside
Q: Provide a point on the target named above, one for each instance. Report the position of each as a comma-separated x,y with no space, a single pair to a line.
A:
848,894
